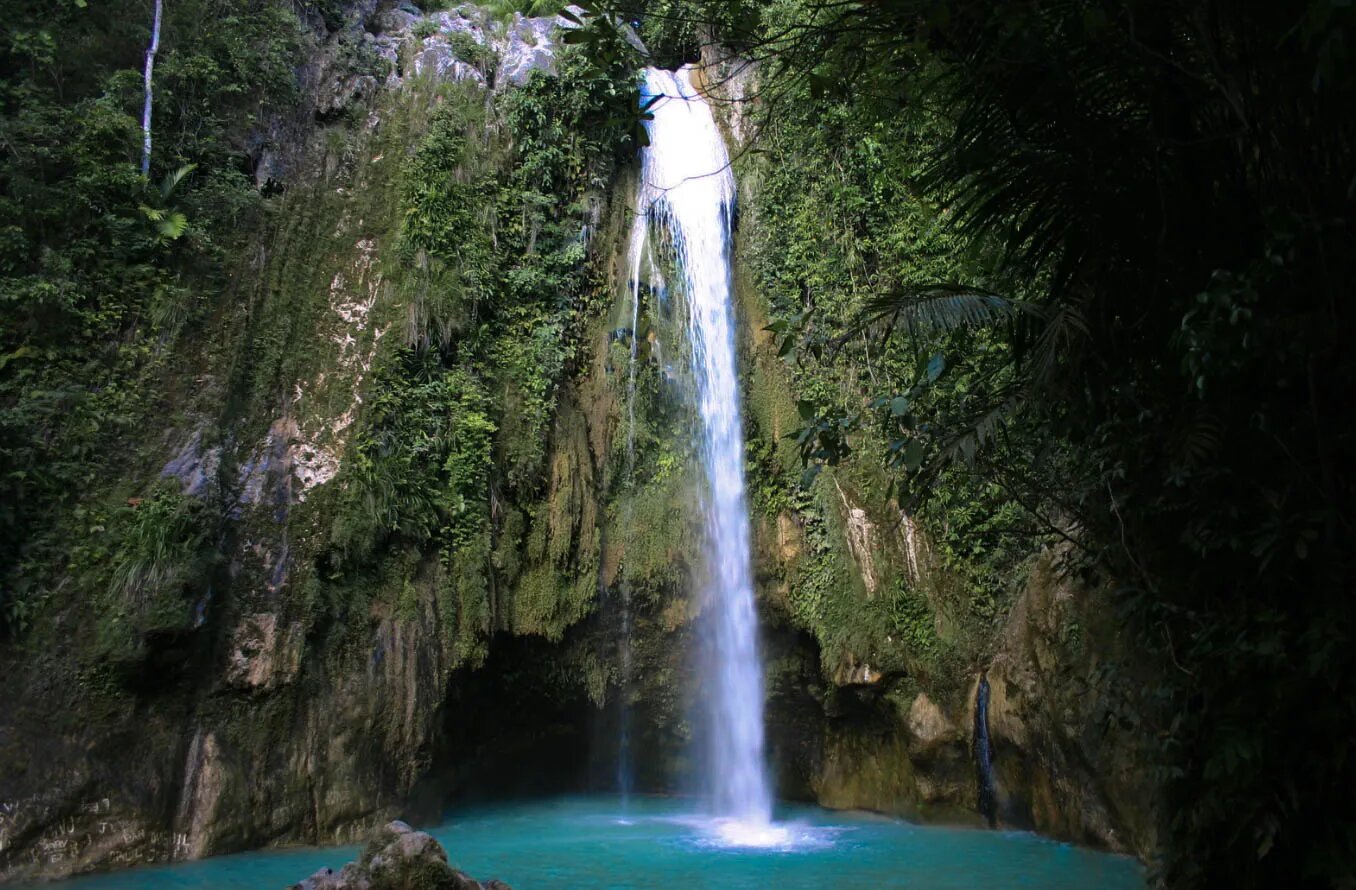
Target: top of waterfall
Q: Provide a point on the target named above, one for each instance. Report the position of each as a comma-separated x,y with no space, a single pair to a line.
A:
691,153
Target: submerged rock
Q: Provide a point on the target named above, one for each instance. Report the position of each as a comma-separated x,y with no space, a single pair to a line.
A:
398,858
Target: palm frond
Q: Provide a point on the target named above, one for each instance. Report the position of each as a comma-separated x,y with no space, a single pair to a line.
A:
171,180
172,225
934,307
1064,329
969,438
979,432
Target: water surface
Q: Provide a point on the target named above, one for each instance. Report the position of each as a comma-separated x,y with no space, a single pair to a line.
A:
657,843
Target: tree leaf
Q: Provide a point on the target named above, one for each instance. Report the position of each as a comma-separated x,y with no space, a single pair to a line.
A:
913,455
936,365
171,180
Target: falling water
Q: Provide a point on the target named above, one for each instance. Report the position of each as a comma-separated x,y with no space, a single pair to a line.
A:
688,190
625,768
984,752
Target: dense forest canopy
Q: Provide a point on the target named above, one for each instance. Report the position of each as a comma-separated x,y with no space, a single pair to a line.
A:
1070,272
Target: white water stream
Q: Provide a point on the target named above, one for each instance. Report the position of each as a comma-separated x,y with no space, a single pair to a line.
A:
687,191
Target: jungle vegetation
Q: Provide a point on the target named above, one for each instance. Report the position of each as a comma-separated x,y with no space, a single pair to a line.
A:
1065,270
1123,324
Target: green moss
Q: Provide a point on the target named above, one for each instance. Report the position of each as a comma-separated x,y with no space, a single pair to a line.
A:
655,525
547,601
466,572
462,447
560,582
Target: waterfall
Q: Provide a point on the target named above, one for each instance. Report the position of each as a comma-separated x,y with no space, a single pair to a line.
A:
984,752
687,191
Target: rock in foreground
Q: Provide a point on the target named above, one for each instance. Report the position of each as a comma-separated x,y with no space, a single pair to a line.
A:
398,858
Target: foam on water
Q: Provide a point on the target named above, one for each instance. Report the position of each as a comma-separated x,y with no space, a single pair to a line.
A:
781,837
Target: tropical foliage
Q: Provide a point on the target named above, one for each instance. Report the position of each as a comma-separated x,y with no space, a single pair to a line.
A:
96,260
1134,337
1067,271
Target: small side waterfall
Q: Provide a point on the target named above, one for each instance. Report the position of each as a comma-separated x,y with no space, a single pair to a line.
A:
687,192
625,764
625,758
987,802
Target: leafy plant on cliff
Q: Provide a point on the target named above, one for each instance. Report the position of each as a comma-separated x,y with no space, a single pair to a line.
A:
156,553
161,543
497,284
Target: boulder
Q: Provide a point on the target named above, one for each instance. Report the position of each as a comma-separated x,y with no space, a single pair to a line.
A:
398,858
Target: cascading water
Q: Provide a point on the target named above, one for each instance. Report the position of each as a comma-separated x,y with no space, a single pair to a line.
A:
687,191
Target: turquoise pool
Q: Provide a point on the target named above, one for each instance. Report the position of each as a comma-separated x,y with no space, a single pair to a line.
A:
597,841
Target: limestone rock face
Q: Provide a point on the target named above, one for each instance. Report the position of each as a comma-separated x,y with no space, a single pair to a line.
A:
258,720
527,48
438,44
398,858
1056,768
928,725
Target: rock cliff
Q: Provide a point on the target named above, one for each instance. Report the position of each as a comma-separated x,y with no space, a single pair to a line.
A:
391,583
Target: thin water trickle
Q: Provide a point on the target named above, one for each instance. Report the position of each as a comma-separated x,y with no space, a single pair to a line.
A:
625,765
687,189
984,753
